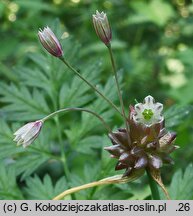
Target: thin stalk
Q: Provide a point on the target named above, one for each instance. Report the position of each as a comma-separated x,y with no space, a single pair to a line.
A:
117,84
78,109
153,186
63,156
105,181
92,86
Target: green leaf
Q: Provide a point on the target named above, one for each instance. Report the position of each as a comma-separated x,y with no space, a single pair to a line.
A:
181,187
35,156
177,114
28,164
8,186
158,12
8,147
76,94
34,5
89,144
21,103
38,189
89,122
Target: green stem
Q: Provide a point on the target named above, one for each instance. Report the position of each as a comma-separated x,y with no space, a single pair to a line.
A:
78,109
118,88
153,186
66,170
63,156
88,83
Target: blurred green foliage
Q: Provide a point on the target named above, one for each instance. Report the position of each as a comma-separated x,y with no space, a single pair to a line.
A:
152,43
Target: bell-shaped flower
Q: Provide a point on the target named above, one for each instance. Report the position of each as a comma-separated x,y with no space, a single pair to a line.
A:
28,133
50,42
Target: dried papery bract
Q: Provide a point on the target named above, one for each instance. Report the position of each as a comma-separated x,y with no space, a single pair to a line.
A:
148,145
102,27
50,42
28,133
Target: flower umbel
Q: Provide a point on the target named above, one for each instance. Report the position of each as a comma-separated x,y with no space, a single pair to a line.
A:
28,133
50,42
102,27
148,144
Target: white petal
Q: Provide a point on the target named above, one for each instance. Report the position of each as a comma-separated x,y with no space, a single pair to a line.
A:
32,132
25,128
149,101
158,107
139,107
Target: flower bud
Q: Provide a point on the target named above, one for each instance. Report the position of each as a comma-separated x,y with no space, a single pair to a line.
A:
102,27
50,42
28,133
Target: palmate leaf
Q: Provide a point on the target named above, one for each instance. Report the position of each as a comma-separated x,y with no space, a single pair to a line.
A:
177,114
76,94
29,164
90,144
88,122
24,161
181,187
37,189
21,104
35,156
90,172
8,186
38,76
7,146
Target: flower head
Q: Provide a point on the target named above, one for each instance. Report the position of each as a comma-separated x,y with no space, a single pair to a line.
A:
148,112
102,27
50,42
147,145
28,133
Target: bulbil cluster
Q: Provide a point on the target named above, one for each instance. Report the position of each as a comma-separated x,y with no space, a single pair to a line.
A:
147,144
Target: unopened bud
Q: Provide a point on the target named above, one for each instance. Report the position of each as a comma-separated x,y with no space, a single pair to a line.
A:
102,27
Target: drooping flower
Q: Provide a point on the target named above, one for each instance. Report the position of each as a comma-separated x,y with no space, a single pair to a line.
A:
102,27
28,133
50,42
148,144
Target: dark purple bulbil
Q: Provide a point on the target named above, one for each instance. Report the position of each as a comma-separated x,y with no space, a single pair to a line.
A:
143,147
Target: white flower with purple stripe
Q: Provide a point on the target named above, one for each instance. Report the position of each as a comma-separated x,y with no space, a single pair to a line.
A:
28,133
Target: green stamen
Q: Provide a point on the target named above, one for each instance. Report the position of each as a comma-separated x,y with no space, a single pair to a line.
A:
147,114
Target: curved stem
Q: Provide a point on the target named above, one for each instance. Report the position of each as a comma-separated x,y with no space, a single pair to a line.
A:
153,186
78,109
118,88
109,180
88,83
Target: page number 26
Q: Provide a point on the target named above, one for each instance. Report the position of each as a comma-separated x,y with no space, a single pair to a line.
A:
183,207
